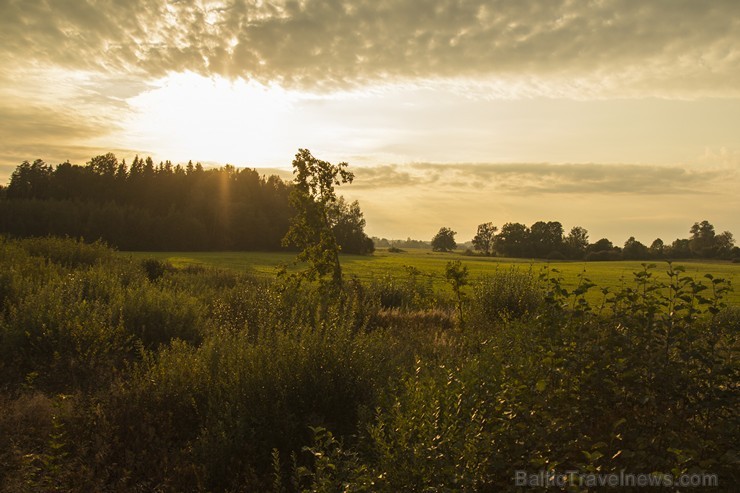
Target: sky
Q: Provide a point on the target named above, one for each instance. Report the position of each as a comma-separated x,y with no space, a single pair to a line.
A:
621,116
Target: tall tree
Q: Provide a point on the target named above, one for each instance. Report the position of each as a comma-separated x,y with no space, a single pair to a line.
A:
602,245
724,242
680,248
484,238
513,240
30,181
702,238
311,229
104,165
348,225
444,240
657,248
546,237
576,242
634,250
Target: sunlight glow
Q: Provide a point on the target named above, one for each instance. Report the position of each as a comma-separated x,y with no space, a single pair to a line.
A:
188,116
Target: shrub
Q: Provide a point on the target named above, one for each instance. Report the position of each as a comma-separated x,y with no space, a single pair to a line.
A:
412,292
556,255
67,252
231,402
156,315
155,268
505,294
66,332
603,255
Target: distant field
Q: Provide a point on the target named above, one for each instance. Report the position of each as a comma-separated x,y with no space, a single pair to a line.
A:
383,263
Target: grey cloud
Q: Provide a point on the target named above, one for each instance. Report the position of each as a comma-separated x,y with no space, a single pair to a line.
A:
547,178
682,46
54,134
385,176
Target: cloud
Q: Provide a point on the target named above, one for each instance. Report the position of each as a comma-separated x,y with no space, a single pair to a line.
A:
544,178
610,200
555,48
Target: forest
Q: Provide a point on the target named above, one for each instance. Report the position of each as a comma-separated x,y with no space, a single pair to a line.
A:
148,207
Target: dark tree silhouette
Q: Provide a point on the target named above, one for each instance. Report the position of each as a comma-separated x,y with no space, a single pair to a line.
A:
576,242
513,240
484,238
444,240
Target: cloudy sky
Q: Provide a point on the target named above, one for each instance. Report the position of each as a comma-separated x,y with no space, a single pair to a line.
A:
622,116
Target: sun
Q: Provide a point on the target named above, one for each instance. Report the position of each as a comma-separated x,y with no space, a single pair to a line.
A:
188,116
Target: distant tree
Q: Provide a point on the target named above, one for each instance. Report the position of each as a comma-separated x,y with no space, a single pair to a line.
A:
30,181
634,250
545,238
680,248
724,243
148,168
444,240
601,245
104,165
657,248
311,230
122,172
513,240
348,225
484,238
381,242
576,242
702,241
411,243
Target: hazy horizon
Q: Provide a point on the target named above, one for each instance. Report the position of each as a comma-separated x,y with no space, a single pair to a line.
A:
622,117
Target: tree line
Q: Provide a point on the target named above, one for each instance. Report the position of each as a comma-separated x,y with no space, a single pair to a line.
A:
161,207
548,240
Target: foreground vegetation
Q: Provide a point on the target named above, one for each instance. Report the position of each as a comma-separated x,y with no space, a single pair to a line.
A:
128,374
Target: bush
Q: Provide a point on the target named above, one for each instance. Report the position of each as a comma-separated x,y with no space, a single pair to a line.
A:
231,402
157,315
411,292
67,252
64,333
603,255
556,255
512,404
155,268
504,295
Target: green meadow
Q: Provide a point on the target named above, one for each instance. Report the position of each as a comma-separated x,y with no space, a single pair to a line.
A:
611,274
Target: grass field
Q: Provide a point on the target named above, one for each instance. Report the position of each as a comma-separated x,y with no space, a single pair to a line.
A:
382,263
